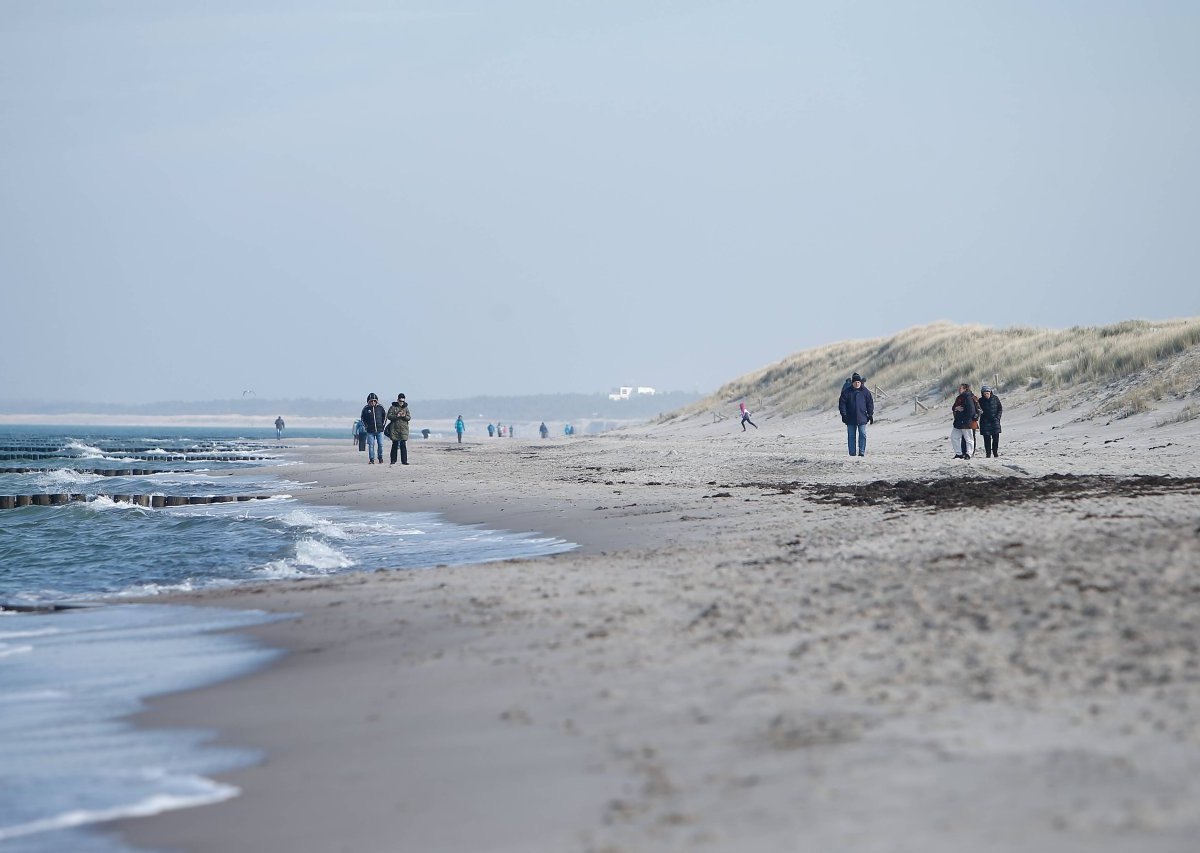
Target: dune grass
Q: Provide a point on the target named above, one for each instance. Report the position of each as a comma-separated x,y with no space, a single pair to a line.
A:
930,361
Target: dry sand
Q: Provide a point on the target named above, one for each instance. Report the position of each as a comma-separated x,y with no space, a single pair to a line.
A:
761,645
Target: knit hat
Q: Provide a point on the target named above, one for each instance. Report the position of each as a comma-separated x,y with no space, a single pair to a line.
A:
856,378
985,388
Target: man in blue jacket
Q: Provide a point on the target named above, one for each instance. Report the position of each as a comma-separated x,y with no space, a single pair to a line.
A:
375,421
857,407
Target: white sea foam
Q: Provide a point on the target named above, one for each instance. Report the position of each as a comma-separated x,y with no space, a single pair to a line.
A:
7,651
85,450
64,476
311,557
103,503
149,589
208,792
311,521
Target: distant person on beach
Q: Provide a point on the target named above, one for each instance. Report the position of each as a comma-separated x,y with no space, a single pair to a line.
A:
990,412
279,427
398,417
966,417
491,430
544,430
360,435
857,408
460,427
746,416
374,420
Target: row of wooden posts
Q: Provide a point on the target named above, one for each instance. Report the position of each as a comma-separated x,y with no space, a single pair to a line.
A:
60,498
148,457
101,472
60,450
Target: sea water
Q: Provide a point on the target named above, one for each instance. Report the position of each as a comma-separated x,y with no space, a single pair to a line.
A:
70,674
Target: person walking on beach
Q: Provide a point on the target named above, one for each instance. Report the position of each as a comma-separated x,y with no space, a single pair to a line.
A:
544,430
398,417
460,427
374,420
491,431
990,412
746,416
857,408
966,417
279,427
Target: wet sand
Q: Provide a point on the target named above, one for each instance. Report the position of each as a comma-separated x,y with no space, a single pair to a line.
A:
761,645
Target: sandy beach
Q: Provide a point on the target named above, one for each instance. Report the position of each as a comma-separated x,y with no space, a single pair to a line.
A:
761,644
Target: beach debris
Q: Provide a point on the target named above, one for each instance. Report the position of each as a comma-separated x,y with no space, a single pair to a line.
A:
949,493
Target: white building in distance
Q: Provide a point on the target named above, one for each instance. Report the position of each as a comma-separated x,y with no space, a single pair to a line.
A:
627,391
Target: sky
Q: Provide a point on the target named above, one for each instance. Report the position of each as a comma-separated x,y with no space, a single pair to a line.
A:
461,197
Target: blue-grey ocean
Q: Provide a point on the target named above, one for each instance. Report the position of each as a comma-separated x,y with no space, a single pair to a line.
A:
69,675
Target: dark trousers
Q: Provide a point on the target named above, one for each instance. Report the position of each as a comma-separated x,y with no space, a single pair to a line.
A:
991,443
402,446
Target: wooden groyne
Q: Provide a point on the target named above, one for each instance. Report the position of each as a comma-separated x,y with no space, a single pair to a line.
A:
143,456
100,472
61,449
61,498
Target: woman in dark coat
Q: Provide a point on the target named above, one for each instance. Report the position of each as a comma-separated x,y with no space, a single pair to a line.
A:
990,411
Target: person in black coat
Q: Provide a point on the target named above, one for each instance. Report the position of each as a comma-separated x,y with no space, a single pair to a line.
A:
966,413
990,411
857,408
374,419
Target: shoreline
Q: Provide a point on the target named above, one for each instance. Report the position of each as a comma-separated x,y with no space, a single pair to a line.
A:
727,654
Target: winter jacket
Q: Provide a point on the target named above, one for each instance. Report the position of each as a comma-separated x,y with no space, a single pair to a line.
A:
963,419
398,417
856,406
374,418
990,411
459,426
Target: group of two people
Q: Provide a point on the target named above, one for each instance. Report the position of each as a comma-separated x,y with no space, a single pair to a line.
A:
393,423
857,408
976,413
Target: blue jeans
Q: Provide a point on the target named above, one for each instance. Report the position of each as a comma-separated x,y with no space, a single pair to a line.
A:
375,446
859,431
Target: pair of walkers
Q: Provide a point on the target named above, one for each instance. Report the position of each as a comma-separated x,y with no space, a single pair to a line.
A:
393,423
973,413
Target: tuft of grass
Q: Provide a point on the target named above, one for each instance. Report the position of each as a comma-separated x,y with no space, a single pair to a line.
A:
1187,413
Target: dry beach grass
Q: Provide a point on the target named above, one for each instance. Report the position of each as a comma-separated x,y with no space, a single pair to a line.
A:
761,645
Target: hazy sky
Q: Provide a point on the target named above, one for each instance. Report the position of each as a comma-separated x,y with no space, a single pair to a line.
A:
453,198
